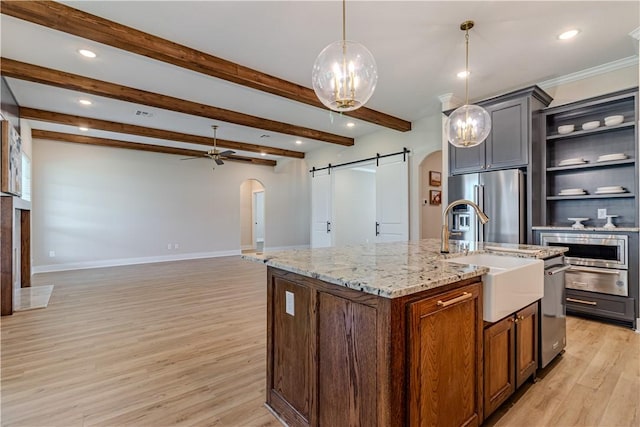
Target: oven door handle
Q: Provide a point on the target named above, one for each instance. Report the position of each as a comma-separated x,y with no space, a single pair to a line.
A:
594,270
553,271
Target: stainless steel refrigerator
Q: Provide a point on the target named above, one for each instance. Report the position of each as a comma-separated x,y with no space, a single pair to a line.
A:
501,195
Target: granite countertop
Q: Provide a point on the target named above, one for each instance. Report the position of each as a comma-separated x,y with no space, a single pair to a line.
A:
586,228
395,269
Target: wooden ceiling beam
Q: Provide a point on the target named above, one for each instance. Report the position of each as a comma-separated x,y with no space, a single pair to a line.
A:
68,119
73,21
48,76
114,143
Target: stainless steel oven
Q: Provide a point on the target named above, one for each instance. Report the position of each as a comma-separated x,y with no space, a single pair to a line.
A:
599,262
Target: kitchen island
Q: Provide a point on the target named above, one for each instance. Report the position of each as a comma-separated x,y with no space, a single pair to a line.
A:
384,334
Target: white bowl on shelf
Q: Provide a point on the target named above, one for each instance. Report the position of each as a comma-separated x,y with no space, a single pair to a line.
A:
565,129
591,125
613,120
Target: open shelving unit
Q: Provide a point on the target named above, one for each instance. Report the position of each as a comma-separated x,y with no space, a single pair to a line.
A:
590,145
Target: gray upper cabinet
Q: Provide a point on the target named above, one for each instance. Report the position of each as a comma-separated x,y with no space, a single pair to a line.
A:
509,142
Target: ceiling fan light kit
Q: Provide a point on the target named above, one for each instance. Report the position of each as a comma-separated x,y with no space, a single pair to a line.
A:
214,154
345,73
468,125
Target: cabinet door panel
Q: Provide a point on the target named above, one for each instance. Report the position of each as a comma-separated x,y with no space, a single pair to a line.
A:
463,160
499,364
346,364
526,343
445,359
291,345
507,144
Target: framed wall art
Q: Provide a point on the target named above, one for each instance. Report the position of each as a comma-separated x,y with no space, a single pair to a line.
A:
435,179
435,197
10,160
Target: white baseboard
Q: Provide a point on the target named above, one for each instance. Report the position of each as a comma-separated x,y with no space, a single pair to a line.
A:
129,261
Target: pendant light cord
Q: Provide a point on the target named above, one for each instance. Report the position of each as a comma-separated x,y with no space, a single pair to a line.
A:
344,20
466,67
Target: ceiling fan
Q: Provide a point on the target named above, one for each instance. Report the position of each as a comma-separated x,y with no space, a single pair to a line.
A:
214,154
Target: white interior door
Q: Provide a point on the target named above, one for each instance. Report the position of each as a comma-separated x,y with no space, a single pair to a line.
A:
392,199
321,197
258,218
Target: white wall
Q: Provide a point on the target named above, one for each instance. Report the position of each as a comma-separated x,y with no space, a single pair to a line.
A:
424,138
102,206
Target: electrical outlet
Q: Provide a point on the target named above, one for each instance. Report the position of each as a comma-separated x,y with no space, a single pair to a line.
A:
169,246
602,213
289,303
52,254
176,246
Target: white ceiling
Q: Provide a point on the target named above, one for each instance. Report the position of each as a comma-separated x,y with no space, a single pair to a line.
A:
418,47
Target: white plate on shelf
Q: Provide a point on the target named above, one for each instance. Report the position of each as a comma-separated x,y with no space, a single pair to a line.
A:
611,157
572,192
622,190
610,188
570,162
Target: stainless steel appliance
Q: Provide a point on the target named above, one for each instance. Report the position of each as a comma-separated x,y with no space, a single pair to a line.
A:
553,309
500,195
599,262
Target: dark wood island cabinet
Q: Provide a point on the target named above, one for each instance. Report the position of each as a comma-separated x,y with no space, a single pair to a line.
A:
380,335
347,358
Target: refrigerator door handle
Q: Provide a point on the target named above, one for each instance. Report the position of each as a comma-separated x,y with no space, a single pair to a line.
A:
480,203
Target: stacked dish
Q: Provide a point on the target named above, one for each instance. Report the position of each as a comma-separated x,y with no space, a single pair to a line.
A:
563,130
573,161
572,192
611,157
613,120
591,125
612,189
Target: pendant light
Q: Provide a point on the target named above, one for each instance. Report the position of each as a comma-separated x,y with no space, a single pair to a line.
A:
468,125
344,74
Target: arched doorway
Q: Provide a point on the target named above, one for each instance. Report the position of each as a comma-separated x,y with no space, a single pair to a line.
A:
252,218
431,196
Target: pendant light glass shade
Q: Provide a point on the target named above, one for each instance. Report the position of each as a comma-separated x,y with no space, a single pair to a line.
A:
344,74
468,125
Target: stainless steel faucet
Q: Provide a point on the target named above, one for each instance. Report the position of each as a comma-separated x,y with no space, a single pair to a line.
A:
444,237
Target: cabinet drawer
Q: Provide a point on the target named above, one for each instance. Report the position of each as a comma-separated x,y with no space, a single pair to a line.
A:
601,305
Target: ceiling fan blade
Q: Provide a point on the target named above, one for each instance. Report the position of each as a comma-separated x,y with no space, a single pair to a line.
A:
218,161
227,153
190,158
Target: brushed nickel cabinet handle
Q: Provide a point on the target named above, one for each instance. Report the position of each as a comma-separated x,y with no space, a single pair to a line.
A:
580,301
464,296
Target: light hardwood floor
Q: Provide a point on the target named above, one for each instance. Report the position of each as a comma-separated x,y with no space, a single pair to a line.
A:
183,343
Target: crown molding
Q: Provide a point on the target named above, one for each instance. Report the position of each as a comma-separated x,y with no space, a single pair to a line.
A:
635,33
591,72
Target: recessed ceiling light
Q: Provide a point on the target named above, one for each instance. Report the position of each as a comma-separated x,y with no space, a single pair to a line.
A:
298,142
85,102
87,53
83,128
568,34
350,124
463,74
